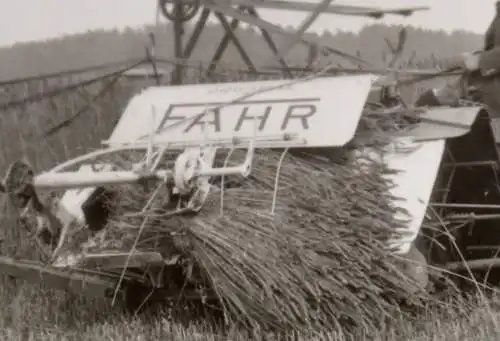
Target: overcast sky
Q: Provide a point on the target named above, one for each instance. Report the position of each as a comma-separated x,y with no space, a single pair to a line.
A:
38,19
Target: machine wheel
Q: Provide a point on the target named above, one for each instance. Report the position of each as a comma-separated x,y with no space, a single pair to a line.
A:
135,297
187,13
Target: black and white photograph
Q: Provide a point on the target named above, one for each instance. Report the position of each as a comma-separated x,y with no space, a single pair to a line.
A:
236,170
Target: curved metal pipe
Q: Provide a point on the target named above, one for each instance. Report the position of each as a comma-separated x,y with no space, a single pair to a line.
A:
93,155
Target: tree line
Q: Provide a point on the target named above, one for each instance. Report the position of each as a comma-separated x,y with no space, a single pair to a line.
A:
423,48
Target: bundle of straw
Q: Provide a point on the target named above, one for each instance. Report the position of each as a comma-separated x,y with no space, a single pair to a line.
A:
298,245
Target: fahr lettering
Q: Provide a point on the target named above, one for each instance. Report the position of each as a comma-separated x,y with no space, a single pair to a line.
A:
198,120
245,116
248,114
299,112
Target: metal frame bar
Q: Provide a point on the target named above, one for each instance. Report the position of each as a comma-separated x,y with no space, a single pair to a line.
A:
303,6
472,164
304,26
230,36
74,280
464,205
475,264
178,49
221,48
438,212
270,42
184,52
450,179
467,220
474,217
195,36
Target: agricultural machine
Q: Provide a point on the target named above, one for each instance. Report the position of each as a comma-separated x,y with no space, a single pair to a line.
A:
448,184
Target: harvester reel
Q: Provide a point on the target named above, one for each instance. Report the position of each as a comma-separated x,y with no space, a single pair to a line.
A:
188,11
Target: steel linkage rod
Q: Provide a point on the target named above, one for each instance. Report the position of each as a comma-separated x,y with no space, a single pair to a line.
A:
224,43
195,36
464,205
59,74
151,57
472,164
303,6
193,40
270,42
225,9
303,27
178,33
236,42
472,216
220,49
476,264
68,121
272,28
55,92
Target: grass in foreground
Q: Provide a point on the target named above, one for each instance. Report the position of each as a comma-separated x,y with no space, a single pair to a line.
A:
31,313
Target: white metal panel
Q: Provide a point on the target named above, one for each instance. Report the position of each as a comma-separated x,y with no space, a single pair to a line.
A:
495,126
319,112
444,123
72,200
413,184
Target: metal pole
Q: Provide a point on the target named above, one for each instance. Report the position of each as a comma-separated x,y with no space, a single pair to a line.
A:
476,264
178,49
469,206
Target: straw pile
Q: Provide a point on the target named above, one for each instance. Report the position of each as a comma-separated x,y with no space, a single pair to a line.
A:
319,260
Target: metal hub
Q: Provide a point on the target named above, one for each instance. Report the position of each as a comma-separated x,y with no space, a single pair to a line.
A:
188,11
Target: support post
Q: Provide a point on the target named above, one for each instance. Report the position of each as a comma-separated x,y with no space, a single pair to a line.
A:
176,77
193,40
